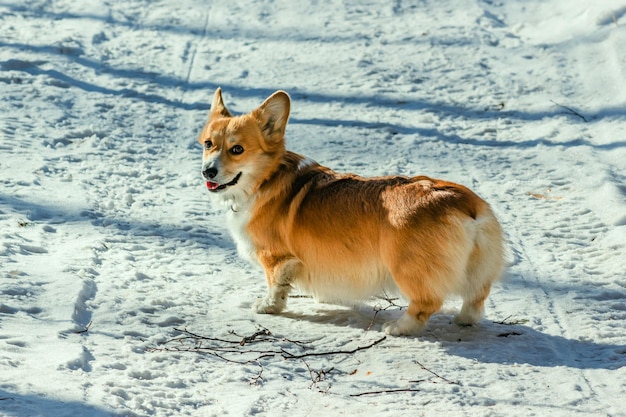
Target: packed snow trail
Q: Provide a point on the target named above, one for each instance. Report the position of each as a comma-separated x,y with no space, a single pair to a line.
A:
109,242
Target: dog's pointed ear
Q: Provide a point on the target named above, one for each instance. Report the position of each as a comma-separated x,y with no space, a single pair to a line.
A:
272,116
218,109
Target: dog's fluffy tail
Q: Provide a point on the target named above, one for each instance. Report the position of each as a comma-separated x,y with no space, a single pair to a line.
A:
485,266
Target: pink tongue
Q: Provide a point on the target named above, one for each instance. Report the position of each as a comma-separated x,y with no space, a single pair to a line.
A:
211,185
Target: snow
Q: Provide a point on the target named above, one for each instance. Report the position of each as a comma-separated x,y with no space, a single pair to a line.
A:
109,241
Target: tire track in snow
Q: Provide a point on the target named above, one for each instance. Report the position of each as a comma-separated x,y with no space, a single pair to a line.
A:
194,48
547,299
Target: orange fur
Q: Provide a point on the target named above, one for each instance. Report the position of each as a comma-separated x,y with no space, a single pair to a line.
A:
342,237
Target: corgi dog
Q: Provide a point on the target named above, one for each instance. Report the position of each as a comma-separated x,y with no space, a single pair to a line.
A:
341,237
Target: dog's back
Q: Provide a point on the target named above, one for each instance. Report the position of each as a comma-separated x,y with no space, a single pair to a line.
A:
355,237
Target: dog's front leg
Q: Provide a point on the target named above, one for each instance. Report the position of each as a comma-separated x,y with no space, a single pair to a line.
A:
280,273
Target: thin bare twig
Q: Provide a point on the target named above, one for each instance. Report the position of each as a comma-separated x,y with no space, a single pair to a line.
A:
391,301
572,111
507,334
436,375
318,377
85,329
507,322
216,347
417,381
248,339
334,352
378,308
242,352
258,378
194,336
385,391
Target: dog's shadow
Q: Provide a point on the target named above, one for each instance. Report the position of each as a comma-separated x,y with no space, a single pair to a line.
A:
487,341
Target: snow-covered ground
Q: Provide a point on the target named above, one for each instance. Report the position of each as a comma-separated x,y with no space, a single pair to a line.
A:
109,243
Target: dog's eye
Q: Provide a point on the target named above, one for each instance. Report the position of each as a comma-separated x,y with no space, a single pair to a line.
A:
236,150
208,144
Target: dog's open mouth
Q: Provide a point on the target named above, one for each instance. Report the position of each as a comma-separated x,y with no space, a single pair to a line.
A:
214,186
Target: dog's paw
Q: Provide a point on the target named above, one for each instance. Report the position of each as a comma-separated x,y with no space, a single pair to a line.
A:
404,326
266,306
468,317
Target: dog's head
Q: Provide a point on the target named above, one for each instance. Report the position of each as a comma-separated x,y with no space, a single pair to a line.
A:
240,152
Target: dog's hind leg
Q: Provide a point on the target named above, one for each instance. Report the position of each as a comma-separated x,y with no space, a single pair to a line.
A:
414,320
484,266
420,279
473,308
279,273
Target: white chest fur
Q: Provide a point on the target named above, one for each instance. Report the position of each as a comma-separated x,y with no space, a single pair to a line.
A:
237,223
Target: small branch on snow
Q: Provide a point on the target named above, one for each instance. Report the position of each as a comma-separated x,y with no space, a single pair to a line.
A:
507,322
192,342
85,329
241,352
258,378
572,111
417,381
318,377
391,303
369,326
446,380
334,352
507,334
385,391
248,339
197,338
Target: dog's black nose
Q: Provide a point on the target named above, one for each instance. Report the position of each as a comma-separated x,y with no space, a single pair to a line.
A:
209,173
